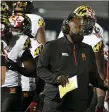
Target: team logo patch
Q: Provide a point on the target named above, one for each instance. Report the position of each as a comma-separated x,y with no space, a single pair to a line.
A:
25,94
83,56
41,22
12,90
38,50
27,43
98,46
65,54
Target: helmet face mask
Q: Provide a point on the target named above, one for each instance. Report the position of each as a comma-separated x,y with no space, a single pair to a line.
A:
89,24
21,24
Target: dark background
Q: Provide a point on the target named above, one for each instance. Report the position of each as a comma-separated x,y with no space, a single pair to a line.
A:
54,12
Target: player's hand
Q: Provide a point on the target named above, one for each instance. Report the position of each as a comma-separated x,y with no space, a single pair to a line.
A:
32,107
106,83
107,96
102,109
62,80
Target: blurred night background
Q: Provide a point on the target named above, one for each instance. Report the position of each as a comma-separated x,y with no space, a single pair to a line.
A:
54,12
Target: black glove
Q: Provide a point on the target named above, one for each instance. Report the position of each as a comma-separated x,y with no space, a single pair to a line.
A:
62,80
11,65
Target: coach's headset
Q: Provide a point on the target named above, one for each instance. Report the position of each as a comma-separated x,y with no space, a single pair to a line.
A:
85,12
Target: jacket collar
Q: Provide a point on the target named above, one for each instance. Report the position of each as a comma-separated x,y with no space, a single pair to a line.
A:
72,44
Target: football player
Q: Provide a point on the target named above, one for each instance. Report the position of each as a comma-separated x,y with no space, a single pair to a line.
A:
37,42
5,30
18,52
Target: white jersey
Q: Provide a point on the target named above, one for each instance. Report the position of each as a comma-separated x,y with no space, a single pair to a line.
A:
94,39
3,48
98,29
28,84
60,35
13,77
106,52
36,47
4,44
36,22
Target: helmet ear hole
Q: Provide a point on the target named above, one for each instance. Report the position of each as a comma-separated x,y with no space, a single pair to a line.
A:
21,23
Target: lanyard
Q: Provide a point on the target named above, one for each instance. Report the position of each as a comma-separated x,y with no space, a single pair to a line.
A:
77,58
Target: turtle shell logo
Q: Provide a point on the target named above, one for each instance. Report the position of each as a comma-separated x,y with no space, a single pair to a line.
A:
38,50
27,43
41,22
98,46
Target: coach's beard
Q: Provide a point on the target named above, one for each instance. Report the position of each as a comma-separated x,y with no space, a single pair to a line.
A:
76,38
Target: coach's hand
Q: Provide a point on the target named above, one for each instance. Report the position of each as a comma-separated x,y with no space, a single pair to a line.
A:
62,80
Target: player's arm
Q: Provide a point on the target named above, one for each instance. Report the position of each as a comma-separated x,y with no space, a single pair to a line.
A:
40,35
98,49
21,51
3,63
29,69
28,60
3,69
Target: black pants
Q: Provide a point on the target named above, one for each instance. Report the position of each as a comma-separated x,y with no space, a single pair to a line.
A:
53,106
11,99
93,100
39,85
27,98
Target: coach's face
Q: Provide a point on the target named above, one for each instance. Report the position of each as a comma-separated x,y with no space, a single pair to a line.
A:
76,30
76,25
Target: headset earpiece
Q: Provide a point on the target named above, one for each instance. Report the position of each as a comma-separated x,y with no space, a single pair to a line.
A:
65,27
